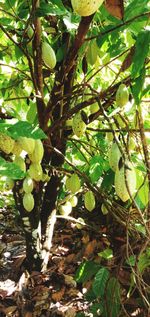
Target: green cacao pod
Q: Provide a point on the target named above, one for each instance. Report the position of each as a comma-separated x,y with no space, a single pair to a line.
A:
74,201
65,209
6,143
9,183
16,149
28,202
48,55
20,162
94,107
30,32
35,171
92,52
129,174
27,144
73,183
86,8
89,200
38,152
28,185
104,209
78,125
114,156
122,95
80,225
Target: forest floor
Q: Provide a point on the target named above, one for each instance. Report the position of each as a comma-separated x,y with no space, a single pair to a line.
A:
56,292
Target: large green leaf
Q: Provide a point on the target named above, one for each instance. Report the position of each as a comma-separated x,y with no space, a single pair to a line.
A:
100,281
141,52
10,170
24,128
112,299
86,270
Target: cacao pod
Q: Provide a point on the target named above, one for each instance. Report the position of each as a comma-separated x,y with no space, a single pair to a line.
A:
27,144
16,149
45,178
80,225
73,200
92,52
65,209
132,143
114,156
86,8
48,55
28,202
20,162
73,183
30,32
122,95
6,143
125,174
9,183
94,107
104,209
28,185
37,155
35,171
78,125
89,200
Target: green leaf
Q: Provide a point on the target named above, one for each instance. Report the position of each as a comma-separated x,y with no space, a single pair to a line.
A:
10,170
54,8
86,270
137,87
97,309
141,52
100,281
112,298
106,254
24,128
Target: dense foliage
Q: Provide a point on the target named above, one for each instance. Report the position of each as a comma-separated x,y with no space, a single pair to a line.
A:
75,129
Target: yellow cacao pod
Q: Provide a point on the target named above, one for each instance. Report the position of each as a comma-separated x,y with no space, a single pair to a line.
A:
86,8
114,156
129,174
20,162
89,200
48,55
65,209
16,149
27,144
45,178
38,152
28,202
28,185
6,143
122,95
35,171
78,125
73,200
73,183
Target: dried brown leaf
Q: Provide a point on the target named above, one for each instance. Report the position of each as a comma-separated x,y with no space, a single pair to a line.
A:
90,248
115,8
128,60
57,296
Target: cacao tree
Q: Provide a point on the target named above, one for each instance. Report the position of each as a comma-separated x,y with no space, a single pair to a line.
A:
74,116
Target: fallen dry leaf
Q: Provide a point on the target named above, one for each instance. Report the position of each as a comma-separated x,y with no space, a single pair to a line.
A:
57,296
115,8
90,248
